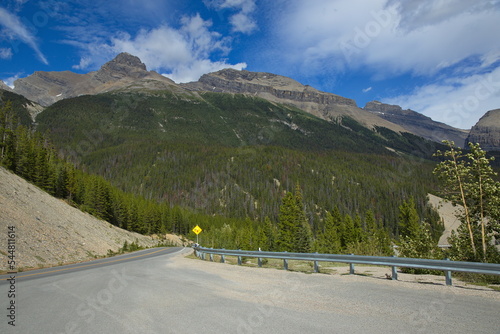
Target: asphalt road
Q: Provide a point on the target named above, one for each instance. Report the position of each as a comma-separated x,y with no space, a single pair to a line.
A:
152,291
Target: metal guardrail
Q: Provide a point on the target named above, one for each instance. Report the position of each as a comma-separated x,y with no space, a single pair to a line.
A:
445,265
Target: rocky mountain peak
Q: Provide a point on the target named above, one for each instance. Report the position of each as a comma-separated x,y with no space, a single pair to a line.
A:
123,65
486,132
125,71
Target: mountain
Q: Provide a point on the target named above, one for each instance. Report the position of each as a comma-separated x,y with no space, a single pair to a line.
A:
123,72
127,73
234,155
231,144
417,123
486,132
280,89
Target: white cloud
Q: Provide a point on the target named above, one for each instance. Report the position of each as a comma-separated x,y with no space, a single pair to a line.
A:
5,53
14,29
459,102
10,80
85,62
351,34
243,21
182,54
366,90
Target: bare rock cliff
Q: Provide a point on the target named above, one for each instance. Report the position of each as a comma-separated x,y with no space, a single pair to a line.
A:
280,89
486,132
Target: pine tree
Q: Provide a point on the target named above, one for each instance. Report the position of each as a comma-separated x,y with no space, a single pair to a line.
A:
303,237
287,224
416,239
328,240
409,221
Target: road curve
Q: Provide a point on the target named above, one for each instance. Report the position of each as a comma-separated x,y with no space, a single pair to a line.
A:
160,291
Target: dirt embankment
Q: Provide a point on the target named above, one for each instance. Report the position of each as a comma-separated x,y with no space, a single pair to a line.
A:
448,213
49,232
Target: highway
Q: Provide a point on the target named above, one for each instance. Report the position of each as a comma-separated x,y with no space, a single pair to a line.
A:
160,291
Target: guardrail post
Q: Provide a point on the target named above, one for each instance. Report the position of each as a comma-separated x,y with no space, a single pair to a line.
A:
447,275
239,260
285,264
394,276
222,257
316,266
351,267
211,257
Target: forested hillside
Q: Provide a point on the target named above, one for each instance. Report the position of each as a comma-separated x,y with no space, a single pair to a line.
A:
225,158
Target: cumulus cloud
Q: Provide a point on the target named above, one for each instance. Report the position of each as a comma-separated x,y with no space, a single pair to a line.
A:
182,54
10,80
243,21
451,43
85,62
457,101
380,35
15,30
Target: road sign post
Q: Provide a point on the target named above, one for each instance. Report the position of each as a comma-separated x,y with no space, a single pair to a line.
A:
197,230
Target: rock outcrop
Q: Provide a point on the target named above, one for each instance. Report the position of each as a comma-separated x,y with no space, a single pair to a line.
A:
280,89
486,132
47,88
417,123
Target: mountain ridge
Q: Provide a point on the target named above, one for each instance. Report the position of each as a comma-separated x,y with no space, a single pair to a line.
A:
128,73
284,90
46,88
415,122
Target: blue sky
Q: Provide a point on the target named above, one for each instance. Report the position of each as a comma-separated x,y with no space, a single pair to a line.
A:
440,58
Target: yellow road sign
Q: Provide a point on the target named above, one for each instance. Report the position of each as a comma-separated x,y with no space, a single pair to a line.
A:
197,230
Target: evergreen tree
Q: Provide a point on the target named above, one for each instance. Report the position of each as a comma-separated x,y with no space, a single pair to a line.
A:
416,238
304,236
409,222
294,231
287,223
327,240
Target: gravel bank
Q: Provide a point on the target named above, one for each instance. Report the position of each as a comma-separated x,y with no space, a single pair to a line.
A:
51,232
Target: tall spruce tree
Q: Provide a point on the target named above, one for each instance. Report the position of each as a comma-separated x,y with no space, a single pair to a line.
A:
294,231
328,241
